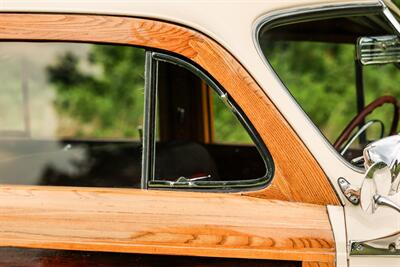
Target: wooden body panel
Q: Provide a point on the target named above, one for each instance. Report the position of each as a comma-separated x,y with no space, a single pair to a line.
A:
285,221
298,176
156,222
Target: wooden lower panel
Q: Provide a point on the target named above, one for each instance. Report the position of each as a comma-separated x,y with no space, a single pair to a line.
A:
41,257
157,222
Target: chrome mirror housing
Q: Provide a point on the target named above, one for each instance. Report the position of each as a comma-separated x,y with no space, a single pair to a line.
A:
385,150
377,182
382,178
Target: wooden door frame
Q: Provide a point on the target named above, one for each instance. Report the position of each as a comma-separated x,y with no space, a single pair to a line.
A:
297,178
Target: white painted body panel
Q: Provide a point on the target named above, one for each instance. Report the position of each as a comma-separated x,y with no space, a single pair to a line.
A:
336,216
362,226
232,24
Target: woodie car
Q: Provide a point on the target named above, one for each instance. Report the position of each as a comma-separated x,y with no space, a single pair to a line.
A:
199,133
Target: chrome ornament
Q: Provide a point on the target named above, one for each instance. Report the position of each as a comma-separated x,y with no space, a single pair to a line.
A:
385,150
377,183
382,177
381,159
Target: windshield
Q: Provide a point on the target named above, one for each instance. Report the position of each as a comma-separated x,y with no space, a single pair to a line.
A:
351,103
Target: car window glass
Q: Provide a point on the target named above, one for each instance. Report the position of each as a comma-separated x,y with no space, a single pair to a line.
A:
71,114
227,128
200,137
316,60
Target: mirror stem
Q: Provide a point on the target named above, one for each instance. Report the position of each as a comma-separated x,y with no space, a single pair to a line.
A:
384,201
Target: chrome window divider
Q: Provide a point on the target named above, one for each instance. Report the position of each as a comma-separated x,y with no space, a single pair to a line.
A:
150,98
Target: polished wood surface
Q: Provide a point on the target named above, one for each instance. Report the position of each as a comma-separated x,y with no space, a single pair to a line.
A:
158,222
45,258
298,176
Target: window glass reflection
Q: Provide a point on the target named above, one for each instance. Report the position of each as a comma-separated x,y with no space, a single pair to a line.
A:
71,114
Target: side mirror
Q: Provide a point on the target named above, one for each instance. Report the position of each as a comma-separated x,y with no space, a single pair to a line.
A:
377,182
382,178
385,150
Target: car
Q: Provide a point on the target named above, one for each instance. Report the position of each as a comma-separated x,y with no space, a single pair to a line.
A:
199,133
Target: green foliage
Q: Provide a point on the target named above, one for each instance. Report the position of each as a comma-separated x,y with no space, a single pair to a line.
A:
321,77
109,102
227,127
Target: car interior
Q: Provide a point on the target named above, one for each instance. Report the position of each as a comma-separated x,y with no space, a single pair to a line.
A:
345,97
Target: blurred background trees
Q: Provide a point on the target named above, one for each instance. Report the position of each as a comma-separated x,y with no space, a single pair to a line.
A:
321,76
109,102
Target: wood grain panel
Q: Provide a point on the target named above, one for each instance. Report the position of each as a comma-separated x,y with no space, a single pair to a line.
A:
62,258
158,222
298,176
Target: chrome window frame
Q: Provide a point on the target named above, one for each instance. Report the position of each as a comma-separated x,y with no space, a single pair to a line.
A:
296,15
149,130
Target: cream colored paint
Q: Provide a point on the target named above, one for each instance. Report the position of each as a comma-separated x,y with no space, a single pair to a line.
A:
362,226
231,23
336,216
376,262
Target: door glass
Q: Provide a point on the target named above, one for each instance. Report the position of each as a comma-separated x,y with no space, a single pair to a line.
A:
200,138
71,114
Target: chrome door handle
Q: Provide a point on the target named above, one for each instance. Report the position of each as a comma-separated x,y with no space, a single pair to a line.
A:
384,201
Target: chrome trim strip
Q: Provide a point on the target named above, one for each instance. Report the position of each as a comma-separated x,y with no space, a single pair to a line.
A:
392,20
233,185
148,142
292,15
296,15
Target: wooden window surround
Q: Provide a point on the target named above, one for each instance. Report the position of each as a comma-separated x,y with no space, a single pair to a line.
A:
286,220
